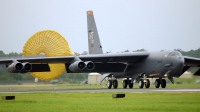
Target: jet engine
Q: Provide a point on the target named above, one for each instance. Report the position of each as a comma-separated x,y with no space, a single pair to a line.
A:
26,67
15,67
77,66
89,65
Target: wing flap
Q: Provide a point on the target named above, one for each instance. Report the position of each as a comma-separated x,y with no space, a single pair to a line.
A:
40,68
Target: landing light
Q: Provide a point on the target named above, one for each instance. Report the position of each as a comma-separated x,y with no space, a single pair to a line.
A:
165,75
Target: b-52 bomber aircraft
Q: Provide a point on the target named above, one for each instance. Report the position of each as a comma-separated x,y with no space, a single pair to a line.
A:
132,66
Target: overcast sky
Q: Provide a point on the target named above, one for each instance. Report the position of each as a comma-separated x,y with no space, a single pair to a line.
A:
122,24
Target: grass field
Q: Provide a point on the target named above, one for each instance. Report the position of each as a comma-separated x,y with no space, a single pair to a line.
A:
101,102
76,86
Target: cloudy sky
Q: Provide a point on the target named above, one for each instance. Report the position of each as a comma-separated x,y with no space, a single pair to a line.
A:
122,24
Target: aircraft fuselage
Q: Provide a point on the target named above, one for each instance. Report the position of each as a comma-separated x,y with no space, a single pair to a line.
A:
157,64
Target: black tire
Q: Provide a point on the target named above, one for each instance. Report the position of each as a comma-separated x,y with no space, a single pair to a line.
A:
115,84
130,85
163,83
109,84
147,83
141,83
124,84
157,83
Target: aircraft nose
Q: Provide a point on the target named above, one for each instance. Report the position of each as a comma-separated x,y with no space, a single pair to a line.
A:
177,67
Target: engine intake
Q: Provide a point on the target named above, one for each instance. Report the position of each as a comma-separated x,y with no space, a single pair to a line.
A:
26,67
15,67
89,65
77,66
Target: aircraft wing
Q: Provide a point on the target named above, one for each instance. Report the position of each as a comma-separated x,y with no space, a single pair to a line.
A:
102,62
190,61
118,57
104,58
38,60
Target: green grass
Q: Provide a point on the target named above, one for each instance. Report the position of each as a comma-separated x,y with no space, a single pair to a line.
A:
101,102
75,86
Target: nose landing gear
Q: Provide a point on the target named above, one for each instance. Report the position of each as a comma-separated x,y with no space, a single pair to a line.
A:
160,82
163,83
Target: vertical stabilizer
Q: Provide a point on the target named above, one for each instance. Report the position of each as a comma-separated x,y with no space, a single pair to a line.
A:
94,43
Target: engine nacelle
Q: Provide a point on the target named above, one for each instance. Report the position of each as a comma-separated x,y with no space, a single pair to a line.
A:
89,65
26,67
15,67
77,66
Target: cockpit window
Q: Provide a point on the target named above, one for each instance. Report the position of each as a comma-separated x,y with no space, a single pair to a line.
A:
173,54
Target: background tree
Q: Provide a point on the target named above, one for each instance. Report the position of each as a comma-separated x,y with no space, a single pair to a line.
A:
139,50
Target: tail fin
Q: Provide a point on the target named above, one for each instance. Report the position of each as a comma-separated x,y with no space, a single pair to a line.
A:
94,43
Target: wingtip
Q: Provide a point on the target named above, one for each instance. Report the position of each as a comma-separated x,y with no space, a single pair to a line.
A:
90,12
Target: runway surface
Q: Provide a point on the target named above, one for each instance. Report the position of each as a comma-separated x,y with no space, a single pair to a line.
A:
102,90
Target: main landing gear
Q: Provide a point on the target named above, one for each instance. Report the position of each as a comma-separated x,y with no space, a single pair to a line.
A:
113,83
160,82
144,82
126,83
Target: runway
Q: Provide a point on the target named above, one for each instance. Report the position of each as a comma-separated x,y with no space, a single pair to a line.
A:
102,90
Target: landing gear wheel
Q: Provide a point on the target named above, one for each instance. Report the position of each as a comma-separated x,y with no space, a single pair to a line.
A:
115,84
124,83
163,83
141,83
109,84
147,83
157,83
130,84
